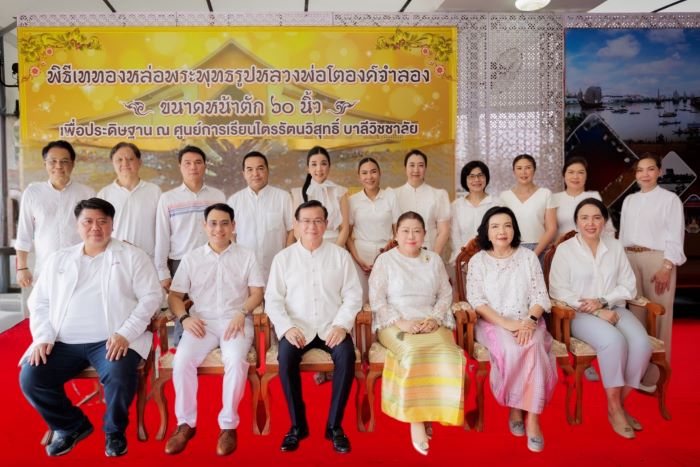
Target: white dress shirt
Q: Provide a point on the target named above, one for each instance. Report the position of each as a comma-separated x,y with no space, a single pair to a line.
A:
511,286
329,194
565,205
313,290
576,274
179,223
466,219
85,322
530,214
130,291
432,204
46,218
401,287
372,222
654,220
135,216
217,283
262,222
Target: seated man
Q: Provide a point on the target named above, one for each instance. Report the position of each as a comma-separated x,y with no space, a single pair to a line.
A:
90,307
312,297
225,284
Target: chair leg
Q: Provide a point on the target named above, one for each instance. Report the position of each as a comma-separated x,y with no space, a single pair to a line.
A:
467,385
254,383
662,383
265,395
581,363
481,373
162,404
565,364
359,398
141,398
370,383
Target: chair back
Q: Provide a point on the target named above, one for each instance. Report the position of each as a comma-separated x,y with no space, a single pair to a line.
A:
549,256
461,265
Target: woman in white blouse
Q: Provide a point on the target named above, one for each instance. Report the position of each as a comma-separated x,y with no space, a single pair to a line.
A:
411,299
333,197
432,204
652,231
575,172
532,206
506,288
373,215
591,273
467,211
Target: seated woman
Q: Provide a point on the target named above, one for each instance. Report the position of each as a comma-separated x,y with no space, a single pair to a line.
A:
411,298
506,288
592,274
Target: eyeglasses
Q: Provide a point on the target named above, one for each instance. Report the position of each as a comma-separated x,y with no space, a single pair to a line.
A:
308,222
60,162
478,176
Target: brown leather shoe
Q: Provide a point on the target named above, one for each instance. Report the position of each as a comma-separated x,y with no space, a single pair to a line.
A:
228,442
178,440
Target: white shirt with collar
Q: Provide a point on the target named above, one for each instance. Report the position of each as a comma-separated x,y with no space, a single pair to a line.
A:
313,290
576,274
217,283
135,213
432,204
129,290
466,219
372,221
654,220
262,222
179,221
46,218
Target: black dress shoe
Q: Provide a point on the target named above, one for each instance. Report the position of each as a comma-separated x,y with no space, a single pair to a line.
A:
115,444
341,443
62,444
292,438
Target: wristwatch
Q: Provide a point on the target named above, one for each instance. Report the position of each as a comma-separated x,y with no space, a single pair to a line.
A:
668,265
183,317
603,302
534,318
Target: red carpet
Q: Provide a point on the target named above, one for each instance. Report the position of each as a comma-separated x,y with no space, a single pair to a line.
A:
663,443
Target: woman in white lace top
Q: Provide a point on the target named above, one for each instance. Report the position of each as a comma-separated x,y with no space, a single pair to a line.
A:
411,299
506,288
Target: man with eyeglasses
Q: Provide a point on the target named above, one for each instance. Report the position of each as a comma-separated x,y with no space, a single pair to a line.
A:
46,219
312,297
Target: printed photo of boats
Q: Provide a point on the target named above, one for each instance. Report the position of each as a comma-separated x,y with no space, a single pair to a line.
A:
631,91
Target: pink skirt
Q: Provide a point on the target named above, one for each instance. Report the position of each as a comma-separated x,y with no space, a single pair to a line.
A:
522,377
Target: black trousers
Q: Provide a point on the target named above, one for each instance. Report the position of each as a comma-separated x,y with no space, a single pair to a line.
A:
289,358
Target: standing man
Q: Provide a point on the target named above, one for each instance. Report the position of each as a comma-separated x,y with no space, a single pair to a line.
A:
46,219
90,307
134,200
179,217
224,282
312,298
264,213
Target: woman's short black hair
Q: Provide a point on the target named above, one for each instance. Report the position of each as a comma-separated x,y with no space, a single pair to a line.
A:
94,203
410,215
219,207
415,152
467,169
526,157
595,202
649,155
482,233
574,160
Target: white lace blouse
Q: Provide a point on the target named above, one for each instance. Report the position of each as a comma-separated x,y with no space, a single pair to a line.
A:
409,288
511,286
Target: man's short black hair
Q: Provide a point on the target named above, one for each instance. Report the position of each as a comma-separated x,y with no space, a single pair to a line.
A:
94,203
254,154
219,207
58,144
193,149
135,149
312,203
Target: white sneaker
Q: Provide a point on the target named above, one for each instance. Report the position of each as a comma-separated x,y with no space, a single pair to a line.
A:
649,389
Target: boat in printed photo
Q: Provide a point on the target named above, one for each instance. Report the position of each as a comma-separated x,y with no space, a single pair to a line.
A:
592,99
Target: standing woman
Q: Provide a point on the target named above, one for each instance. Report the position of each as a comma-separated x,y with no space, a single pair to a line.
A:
373,215
575,172
431,203
506,287
468,211
532,206
591,273
411,299
652,232
333,197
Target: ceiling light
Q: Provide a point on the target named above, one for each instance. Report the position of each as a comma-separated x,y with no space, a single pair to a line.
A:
530,5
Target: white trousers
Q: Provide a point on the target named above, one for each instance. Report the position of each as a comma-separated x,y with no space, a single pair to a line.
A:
623,350
192,351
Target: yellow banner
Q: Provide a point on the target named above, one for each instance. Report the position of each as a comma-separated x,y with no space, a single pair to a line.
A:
277,89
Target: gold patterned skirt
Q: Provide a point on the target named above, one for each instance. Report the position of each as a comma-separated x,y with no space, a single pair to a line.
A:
423,377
